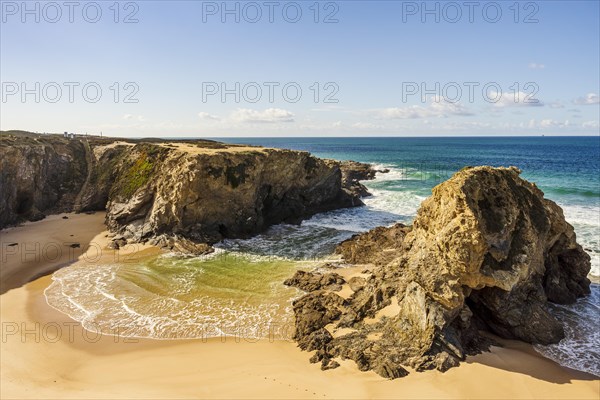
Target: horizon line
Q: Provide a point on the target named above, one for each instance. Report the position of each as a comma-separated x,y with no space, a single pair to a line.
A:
313,137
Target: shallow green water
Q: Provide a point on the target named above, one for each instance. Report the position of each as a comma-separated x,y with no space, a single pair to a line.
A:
170,297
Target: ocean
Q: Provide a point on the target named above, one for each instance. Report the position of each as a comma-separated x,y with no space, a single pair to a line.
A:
238,290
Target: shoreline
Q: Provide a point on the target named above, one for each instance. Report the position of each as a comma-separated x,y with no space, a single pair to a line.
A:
35,249
47,354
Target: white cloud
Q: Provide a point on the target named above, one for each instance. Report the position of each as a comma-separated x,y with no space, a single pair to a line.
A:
444,108
514,99
403,112
590,124
358,126
536,66
205,115
134,117
329,107
246,115
270,115
590,98
550,123
367,126
436,108
556,104
465,125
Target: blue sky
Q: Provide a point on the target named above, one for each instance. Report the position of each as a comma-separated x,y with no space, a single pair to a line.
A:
362,68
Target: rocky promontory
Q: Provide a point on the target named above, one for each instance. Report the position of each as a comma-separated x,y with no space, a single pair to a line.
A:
486,252
180,194
38,176
206,195
353,172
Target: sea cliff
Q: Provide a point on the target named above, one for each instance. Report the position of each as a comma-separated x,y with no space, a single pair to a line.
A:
184,195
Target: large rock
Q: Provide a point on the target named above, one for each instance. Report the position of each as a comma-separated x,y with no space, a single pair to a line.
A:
209,195
378,246
38,175
353,172
49,174
486,250
309,281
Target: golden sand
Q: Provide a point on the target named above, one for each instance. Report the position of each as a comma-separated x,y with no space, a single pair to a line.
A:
45,354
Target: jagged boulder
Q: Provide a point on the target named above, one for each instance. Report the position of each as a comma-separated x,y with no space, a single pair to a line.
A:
485,250
353,172
309,281
378,246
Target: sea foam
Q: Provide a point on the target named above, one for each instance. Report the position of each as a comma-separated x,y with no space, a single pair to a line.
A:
136,301
580,349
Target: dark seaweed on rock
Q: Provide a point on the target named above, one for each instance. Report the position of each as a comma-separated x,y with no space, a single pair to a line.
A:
486,251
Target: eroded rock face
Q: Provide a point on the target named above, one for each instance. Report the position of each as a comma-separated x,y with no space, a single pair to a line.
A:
38,176
206,196
353,172
49,174
309,282
485,250
378,246
180,195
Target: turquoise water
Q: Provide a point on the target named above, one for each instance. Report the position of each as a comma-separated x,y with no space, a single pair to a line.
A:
174,297
239,292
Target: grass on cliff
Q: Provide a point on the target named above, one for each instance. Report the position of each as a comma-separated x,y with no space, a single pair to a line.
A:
138,174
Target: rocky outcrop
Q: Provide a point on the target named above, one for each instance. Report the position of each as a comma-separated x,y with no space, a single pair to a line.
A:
486,251
177,194
309,282
103,161
206,196
39,175
49,174
378,246
353,172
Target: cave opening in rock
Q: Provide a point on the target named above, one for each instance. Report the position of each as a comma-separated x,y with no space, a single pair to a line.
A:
481,313
24,203
223,230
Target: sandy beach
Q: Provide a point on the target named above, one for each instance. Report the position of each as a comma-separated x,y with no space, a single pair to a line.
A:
45,354
37,248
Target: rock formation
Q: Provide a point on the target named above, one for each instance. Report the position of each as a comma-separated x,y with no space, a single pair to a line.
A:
205,196
353,172
310,282
38,175
378,246
177,194
486,251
